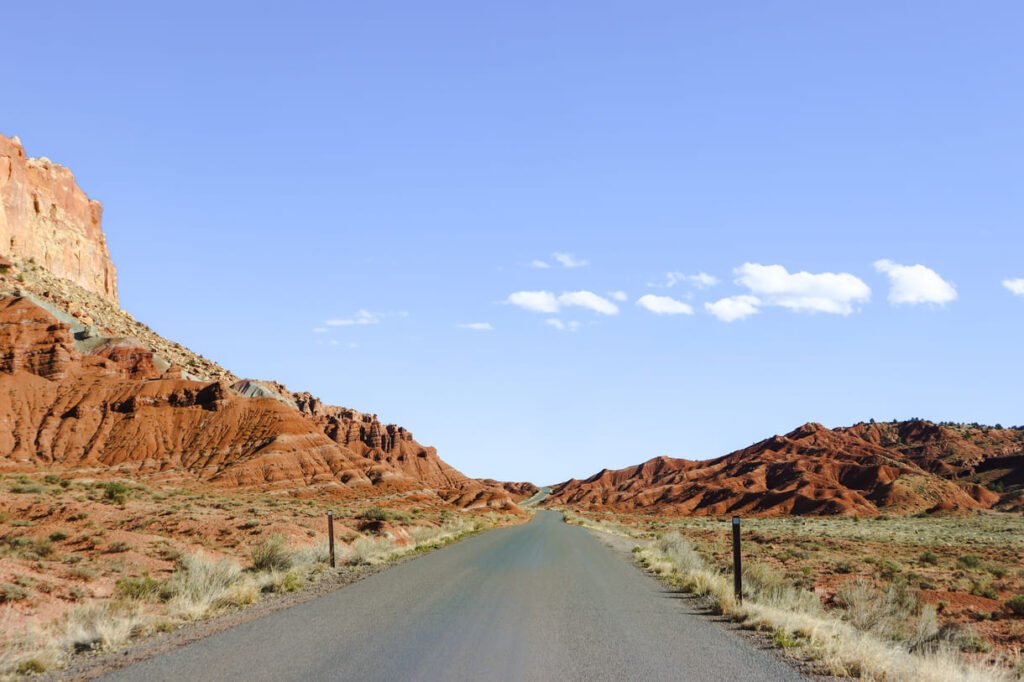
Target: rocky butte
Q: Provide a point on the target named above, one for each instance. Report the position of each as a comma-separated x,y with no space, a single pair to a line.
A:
85,386
46,217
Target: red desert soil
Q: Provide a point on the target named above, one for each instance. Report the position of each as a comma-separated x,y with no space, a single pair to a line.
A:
897,467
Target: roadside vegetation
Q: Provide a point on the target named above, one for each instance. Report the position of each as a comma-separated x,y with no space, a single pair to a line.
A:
862,600
88,566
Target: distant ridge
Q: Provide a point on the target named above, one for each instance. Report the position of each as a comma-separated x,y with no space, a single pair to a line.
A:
867,469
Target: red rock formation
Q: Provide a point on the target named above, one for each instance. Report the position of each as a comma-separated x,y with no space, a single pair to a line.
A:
900,468
46,217
112,408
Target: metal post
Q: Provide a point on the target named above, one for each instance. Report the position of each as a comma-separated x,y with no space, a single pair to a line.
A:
330,536
737,562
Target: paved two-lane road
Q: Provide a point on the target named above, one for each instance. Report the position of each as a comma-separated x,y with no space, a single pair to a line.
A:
540,601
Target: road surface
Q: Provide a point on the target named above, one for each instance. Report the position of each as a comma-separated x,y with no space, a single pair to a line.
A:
541,601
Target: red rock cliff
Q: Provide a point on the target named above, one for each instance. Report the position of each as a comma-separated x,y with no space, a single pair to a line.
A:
45,216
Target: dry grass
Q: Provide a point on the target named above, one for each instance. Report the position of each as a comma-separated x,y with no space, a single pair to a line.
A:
881,635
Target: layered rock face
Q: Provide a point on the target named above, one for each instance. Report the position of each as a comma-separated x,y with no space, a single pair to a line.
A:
111,404
84,385
46,217
899,468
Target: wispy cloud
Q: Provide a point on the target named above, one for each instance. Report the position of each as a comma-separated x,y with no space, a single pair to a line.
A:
540,264
824,292
915,284
362,317
568,260
701,280
664,305
570,326
319,330
589,300
619,296
478,326
733,308
1015,286
536,301
547,302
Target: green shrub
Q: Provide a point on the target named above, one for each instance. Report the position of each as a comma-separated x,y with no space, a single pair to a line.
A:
117,547
1016,605
9,593
115,492
137,588
32,666
271,554
930,558
969,561
58,536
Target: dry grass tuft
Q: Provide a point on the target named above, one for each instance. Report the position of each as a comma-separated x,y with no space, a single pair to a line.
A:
882,635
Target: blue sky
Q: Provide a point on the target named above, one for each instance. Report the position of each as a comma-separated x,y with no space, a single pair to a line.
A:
266,169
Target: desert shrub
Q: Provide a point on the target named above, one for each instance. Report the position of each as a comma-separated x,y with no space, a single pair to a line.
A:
318,554
200,585
83,573
984,588
1016,605
374,514
137,588
10,593
32,666
115,492
27,488
929,557
997,570
969,561
40,547
117,547
888,568
367,550
102,626
271,554
770,587
844,567
887,613
58,536
380,514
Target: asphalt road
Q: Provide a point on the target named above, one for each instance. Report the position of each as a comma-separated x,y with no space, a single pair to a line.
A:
540,601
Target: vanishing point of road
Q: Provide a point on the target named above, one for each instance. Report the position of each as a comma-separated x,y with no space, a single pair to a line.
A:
540,601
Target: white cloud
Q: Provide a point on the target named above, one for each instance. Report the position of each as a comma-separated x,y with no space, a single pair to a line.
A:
664,305
319,330
701,280
362,317
618,295
825,292
547,302
570,326
539,264
1016,286
537,301
590,300
915,284
568,260
734,307
478,326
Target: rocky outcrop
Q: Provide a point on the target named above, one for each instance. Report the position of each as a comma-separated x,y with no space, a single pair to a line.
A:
867,469
111,403
46,217
85,385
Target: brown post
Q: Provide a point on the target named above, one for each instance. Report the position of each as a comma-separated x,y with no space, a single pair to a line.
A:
737,562
330,535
